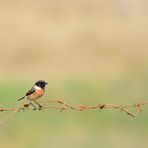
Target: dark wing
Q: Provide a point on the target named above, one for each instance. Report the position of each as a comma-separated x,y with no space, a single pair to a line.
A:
32,90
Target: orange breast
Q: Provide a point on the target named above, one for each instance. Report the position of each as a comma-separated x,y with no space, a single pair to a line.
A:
39,92
36,95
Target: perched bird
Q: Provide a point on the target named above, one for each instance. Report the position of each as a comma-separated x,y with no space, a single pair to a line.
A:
36,92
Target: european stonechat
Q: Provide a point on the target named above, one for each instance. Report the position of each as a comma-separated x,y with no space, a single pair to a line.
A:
36,92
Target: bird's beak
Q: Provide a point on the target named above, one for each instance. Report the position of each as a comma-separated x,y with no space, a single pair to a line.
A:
46,83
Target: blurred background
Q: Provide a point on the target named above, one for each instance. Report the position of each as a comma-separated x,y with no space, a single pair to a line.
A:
89,51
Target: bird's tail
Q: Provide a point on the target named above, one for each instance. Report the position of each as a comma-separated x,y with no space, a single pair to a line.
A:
21,98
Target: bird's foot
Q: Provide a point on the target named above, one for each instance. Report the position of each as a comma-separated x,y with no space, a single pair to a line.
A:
34,108
40,107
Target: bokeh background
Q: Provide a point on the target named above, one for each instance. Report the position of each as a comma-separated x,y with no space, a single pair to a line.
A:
89,51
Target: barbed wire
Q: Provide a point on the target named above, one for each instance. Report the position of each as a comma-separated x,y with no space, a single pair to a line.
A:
61,105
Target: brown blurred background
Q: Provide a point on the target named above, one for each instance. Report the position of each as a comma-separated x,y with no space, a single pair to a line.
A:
48,38
89,51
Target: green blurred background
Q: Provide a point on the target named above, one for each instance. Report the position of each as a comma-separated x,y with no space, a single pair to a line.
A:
89,51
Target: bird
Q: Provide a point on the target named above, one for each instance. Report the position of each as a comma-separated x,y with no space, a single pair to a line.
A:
36,92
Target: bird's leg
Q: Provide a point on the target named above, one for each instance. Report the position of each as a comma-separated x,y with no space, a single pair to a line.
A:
40,106
33,106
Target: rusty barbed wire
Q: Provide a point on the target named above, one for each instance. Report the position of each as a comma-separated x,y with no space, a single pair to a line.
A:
64,106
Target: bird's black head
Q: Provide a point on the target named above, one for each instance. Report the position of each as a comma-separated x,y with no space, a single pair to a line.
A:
41,83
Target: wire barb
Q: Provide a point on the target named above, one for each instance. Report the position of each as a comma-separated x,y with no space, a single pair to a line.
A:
61,105
64,106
